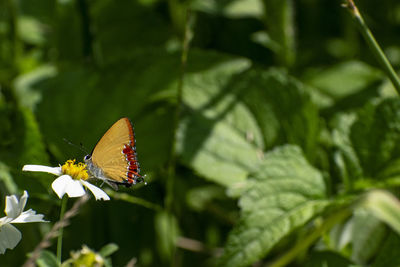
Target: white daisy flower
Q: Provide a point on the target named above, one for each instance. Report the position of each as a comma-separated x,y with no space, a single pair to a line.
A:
9,235
71,179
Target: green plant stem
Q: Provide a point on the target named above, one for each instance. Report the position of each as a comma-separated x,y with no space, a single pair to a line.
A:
60,232
134,200
177,12
172,162
312,237
169,199
279,18
373,44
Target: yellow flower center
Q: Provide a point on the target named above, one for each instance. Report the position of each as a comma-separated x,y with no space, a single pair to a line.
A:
76,171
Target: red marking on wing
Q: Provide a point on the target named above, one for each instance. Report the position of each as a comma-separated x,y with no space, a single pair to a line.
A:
133,165
129,150
132,140
126,150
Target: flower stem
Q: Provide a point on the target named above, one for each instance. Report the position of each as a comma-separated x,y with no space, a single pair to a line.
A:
373,44
60,232
46,241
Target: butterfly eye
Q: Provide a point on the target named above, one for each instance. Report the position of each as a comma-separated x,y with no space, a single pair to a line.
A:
87,157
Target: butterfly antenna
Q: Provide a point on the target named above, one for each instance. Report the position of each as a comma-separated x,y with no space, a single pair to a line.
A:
84,149
80,147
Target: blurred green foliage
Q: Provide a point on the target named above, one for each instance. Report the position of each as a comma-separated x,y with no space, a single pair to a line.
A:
286,127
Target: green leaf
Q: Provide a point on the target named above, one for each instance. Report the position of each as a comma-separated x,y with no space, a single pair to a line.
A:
279,18
47,259
375,136
213,136
30,30
216,151
385,207
345,159
200,197
7,180
344,79
270,95
327,259
235,9
33,150
233,114
26,93
24,146
366,236
284,194
244,8
108,249
388,255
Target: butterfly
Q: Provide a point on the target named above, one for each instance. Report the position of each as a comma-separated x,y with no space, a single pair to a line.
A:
114,158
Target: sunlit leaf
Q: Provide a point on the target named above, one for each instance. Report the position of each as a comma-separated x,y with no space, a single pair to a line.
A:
367,235
27,95
108,249
233,9
246,8
30,30
385,207
285,193
345,78
232,118
213,136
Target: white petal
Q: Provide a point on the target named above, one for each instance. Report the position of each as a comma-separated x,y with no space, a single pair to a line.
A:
9,237
97,192
29,216
11,209
65,184
14,208
59,185
22,202
75,189
41,168
5,220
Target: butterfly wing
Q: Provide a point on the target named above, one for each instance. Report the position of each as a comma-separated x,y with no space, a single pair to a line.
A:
115,154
